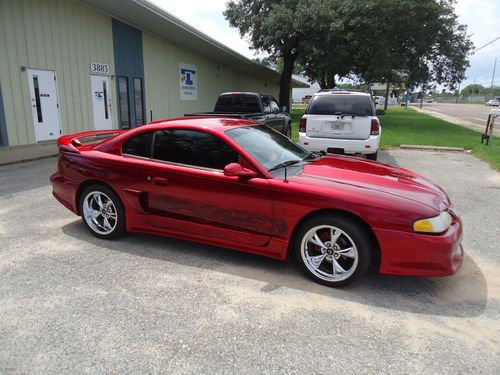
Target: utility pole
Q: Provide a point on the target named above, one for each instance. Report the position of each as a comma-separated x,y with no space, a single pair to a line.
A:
473,90
458,92
493,77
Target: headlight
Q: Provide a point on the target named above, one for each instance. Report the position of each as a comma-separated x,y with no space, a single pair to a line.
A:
437,224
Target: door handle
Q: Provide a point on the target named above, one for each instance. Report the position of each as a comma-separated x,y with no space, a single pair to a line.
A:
160,181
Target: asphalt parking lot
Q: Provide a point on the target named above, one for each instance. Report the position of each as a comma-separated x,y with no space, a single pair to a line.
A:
71,303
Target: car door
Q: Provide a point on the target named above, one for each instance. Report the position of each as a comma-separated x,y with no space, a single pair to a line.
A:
188,191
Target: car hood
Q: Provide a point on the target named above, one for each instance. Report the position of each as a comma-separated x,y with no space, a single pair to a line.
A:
375,176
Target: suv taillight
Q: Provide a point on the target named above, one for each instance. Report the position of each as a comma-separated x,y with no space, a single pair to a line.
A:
302,126
375,130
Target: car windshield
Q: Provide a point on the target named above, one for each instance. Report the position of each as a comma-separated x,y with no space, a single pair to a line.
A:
349,104
269,147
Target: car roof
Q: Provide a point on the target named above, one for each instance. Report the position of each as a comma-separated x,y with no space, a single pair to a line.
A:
340,92
196,122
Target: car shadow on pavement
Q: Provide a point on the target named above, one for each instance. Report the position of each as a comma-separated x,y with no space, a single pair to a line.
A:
462,295
386,158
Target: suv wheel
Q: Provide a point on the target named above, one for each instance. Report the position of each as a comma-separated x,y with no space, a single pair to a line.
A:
372,156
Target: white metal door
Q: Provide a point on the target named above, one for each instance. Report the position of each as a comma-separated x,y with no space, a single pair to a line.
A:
44,104
101,101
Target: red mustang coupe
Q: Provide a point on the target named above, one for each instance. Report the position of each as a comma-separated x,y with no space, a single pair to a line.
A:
241,185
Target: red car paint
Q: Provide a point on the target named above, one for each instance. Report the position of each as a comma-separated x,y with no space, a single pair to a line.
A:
260,215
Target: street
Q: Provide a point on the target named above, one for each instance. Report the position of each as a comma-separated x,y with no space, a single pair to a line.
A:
475,113
71,303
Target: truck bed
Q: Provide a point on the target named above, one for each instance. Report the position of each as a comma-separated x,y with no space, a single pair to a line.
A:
225,114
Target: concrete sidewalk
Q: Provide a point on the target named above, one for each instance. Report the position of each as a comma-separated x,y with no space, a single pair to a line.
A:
21,154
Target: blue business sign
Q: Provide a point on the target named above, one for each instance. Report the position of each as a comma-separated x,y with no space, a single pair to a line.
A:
188,82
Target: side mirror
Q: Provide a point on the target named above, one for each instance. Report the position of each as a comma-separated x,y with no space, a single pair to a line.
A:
380,112
284,109
236,170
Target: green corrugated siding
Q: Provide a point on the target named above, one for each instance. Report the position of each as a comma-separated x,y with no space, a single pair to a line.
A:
66,36
60,35
161,71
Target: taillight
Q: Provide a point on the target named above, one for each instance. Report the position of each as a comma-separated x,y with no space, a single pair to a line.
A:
375,130
302,126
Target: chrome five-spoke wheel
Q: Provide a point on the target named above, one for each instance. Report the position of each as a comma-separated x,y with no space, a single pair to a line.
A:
329,253
334,250
102,212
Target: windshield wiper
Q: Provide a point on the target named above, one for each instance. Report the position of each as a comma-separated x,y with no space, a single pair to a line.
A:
312,156
341,114
284,164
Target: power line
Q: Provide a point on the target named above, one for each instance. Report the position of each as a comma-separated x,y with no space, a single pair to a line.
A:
487,44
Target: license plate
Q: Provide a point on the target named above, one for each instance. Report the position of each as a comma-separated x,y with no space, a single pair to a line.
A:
337,126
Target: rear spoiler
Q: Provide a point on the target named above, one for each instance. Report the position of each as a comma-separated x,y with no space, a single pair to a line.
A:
74,142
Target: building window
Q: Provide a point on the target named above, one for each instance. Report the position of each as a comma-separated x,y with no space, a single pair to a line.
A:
123,103
139,106
37,99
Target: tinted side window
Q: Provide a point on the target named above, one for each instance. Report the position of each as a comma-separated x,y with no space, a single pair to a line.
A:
274,106
193,148
266,103
342,104
140,145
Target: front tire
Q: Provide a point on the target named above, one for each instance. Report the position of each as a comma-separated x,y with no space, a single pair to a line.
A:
102,212
333,250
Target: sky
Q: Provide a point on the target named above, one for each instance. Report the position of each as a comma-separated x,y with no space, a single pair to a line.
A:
481,17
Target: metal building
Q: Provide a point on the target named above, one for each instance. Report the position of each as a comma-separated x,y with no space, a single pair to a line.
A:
75,65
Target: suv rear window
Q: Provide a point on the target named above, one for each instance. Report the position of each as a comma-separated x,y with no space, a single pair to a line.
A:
359,105
237,104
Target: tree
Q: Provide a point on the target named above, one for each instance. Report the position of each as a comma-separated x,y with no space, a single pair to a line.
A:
280,28
417,42
472,89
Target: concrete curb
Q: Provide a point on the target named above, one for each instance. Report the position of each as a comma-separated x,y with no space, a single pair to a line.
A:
432,148
2,164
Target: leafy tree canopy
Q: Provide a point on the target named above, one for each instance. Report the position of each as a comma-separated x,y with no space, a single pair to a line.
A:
397,41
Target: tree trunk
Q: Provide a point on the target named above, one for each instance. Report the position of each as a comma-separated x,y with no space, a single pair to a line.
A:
387,95
286,80
422,96
331,82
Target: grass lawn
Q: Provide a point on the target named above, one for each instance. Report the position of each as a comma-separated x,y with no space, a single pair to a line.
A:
400,126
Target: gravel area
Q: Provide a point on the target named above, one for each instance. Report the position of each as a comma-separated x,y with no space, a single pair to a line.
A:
71,303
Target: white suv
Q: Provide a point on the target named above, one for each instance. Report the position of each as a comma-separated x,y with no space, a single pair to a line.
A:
341,122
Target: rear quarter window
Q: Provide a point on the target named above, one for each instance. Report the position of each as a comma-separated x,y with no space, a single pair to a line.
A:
359,105
139,145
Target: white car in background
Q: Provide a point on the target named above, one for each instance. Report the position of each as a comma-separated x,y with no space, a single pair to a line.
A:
342,122
492,103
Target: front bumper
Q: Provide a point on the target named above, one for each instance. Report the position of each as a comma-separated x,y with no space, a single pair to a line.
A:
350,146
414,254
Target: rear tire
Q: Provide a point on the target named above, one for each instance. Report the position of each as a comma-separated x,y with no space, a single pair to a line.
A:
102,212
372,156
333,250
